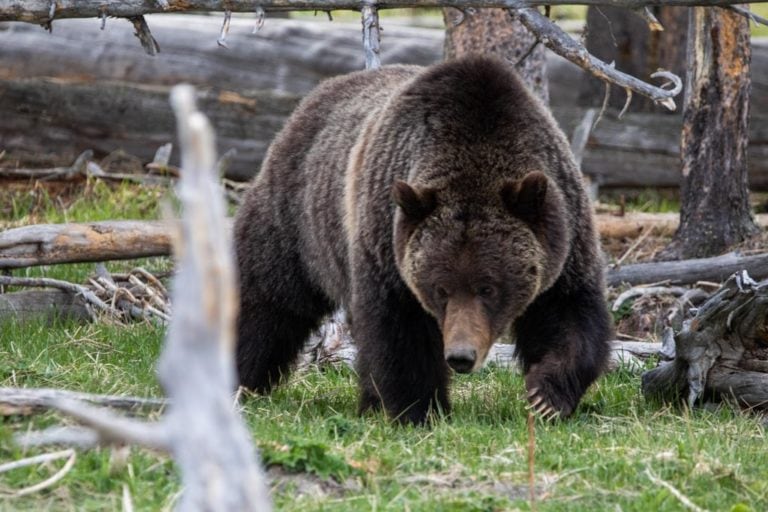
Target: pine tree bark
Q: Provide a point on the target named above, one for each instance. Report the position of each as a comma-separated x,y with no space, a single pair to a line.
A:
715,210
497,32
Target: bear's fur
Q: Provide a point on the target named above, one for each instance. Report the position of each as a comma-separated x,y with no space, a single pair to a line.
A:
439,206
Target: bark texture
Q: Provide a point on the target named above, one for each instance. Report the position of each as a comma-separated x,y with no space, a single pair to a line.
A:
715,203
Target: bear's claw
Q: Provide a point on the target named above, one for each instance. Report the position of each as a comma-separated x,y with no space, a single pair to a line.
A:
541,406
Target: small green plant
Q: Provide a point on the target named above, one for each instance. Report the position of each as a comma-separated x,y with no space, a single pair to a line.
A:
307,456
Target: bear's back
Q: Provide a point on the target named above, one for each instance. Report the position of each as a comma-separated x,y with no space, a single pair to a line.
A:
304,172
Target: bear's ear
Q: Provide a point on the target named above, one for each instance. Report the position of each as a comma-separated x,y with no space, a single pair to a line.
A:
416,204
525,198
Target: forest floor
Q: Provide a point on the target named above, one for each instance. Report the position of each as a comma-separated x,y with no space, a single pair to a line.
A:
618,451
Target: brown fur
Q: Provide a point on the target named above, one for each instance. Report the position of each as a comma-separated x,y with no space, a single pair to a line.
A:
440,207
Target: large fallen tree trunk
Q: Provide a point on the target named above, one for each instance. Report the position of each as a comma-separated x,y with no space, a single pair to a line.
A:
285,57
722,351
639,151
43,121
48,244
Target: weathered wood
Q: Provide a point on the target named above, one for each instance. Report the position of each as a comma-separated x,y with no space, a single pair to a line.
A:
45,244
713,269
721,351
85,117
50,304
639,151
202,431
715,210
30,401
40,12
287,56
544,29
628,40
48,244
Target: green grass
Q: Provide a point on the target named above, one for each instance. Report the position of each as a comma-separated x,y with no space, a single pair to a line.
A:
760,10
476,460
92,201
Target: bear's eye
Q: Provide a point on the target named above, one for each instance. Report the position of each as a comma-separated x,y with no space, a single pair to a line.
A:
441,292
485,291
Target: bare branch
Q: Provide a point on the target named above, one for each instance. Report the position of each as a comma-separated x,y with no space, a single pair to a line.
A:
26,401
45,282
114,429
197,366
371,36
61,473
756,18
146,38
557,40
39,11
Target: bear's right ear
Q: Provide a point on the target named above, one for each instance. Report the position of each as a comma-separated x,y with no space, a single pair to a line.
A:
525,198
416,204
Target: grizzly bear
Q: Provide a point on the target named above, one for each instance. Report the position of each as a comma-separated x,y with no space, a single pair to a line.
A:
441,207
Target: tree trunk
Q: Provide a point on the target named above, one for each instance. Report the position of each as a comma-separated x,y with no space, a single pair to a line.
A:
618,35
715,202
497,32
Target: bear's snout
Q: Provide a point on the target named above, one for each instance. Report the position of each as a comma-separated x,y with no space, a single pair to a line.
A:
462,359
466,334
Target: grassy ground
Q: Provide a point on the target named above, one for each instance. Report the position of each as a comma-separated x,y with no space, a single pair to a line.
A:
609,456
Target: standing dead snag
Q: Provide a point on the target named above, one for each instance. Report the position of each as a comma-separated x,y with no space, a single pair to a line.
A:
715,210
721,351
201,430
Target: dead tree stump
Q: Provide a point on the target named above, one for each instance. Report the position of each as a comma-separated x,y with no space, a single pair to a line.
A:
722,352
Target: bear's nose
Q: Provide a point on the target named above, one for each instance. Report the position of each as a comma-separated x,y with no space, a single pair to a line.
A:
462,360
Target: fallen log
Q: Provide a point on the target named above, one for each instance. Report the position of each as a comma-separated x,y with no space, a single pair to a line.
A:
721,352
104,116
50,304
286,56
713,269
46,244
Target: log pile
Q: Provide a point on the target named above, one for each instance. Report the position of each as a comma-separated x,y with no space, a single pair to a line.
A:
61,94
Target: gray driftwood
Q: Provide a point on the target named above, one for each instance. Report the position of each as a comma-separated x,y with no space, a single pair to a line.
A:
722,351
201,429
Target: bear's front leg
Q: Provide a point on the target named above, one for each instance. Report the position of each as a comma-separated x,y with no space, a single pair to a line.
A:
400,358
563,344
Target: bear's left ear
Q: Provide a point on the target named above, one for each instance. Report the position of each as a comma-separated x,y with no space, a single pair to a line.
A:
525,198
415,203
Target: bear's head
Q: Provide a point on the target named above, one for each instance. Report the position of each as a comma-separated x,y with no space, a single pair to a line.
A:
477,265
